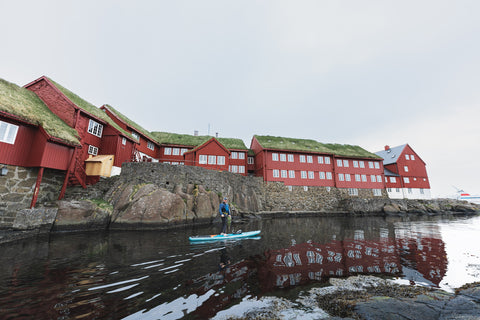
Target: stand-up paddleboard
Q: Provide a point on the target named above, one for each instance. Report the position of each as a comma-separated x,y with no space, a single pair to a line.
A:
214,237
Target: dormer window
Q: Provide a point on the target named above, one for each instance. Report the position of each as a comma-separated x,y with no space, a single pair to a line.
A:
136,135
95,128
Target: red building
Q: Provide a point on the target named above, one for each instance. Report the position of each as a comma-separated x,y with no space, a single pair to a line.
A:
224,154
301,162
99,135
32,137
405,173
147,147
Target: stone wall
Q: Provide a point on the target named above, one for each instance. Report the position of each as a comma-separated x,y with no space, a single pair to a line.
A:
16,190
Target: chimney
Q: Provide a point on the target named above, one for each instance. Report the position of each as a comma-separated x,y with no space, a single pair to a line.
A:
387,148
195,133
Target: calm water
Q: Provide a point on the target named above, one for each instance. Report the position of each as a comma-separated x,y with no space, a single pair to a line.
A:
160,275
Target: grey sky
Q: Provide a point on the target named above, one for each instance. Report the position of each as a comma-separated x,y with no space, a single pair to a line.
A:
369,73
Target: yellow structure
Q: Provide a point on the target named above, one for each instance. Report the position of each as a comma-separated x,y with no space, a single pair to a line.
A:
99,165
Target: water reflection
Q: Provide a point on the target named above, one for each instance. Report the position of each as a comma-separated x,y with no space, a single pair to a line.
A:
160,275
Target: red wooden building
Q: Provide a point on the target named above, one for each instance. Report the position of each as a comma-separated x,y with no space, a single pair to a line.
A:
32,137
301,162
99,135
224,154
405,173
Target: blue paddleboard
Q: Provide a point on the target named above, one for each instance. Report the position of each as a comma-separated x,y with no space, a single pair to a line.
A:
227,236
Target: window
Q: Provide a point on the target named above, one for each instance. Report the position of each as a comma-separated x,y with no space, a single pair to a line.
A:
92,150
322,175
345,163
377,192
406,180
241,155
389,189
393,179
275,156
373,178
353,191
182,151
284,173
397,190
305,188
241,169
405,168
407,157
357,178
291,174
347,177
303,174
124,141
283,157
320,159
409,190
233,169
421,191
302,158
276,173
370,164
176,151
329,176
340,177
135,135
364,177
202,159
379,178
212,160
362,164
309,159
96,128
290,188
290,158
377,165
150,145
250,160
327,160
311,175
167,151
355,163
412,157
221,160
234,155
339,163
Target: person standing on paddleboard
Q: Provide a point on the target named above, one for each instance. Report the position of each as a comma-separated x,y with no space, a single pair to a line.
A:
224,210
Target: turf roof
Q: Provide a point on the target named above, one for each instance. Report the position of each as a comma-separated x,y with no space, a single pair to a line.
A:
195,141
90,108
27,106
130,123
307,145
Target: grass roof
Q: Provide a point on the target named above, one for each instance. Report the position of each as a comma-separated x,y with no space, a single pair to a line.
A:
232,143
179,139
27,106
90,108
131,123
307,145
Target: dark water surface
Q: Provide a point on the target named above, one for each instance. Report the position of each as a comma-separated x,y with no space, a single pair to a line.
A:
160,275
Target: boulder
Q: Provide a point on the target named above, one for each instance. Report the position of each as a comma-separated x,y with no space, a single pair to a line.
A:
82,215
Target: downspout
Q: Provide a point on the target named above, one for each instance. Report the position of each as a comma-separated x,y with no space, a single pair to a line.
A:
37,188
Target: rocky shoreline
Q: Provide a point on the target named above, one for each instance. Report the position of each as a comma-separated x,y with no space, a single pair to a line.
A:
364,297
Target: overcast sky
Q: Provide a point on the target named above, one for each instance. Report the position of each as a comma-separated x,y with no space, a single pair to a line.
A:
368,73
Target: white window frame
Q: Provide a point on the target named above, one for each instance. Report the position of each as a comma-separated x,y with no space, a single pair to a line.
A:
309,159
377,192
302,158
212,159
311,175
320,159
373,178
321,175
183,150
234,155
221,160
291,174
167,151
393,180
290,158
233,168
150,145
407,157
345,163
176,151
377,165
405,168
362,164
371,165
303,174
379,178
8,132
341,177
412,157
406,179
241,169
358,178
251,160
276,173
364,178
327,160
329,175
355,163
241,155
135,135
92,150
283,157
347,177
124,141
274,156
202,159
339,163
95,128
284,174
352,191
